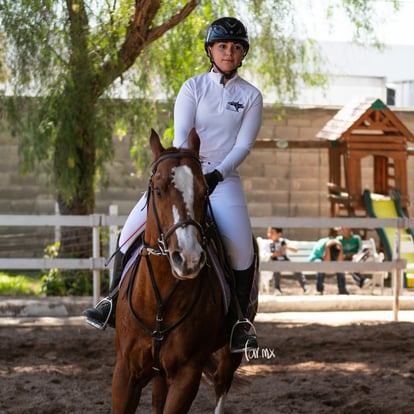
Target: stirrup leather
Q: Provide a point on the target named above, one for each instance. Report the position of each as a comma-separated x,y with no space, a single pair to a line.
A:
244,321
103,325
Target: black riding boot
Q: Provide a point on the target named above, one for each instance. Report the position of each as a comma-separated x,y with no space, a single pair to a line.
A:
240,338
104,312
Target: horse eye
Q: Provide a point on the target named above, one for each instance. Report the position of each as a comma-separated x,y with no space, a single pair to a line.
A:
157,192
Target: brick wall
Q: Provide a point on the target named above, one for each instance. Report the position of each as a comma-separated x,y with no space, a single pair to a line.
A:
278,182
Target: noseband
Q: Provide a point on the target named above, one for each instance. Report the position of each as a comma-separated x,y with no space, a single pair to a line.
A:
163,237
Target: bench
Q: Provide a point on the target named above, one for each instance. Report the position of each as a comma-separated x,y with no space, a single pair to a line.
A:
304,250
377,277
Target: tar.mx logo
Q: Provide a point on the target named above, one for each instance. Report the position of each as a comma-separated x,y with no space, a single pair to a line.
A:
259,353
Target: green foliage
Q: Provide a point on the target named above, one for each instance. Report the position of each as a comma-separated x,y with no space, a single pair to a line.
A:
69,56
19,285
364,17
3,71
69,282
53,283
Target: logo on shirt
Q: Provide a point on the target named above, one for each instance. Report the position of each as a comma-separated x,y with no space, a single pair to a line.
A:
234,106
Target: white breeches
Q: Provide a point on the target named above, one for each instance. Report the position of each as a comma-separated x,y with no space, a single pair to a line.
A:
231,215
134,224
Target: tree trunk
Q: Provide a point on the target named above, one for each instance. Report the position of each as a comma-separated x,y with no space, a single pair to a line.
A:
75,175
75,241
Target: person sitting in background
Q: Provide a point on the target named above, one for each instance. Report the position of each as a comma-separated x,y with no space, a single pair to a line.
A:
352,244
277,249
329,249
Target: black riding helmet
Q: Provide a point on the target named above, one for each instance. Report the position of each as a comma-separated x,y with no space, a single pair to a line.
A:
227,29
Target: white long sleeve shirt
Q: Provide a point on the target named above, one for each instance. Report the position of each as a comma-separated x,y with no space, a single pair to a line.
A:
226,117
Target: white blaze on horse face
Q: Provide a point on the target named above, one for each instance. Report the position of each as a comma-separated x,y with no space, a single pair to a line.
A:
183,181
191,250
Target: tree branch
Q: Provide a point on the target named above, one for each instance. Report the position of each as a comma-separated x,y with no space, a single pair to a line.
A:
158,31
138,37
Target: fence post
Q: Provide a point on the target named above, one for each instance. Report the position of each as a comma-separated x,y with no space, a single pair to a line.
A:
96,255
396,275
113,237
57,227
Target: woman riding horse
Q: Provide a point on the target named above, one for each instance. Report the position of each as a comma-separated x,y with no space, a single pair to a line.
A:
226,112
169,319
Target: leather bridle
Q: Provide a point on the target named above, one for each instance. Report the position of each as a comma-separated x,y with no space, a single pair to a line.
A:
163,237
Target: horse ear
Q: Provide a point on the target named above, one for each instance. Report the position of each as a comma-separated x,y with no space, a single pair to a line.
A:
194,141
155,144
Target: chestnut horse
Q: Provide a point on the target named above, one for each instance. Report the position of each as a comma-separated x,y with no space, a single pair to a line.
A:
170,322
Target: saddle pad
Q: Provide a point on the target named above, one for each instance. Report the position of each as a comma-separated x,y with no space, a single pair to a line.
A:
131,260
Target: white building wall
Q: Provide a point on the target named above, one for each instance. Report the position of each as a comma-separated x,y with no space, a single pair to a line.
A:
404,93
356,71
342,89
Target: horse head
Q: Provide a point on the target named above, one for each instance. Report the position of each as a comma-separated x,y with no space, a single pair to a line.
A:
177,206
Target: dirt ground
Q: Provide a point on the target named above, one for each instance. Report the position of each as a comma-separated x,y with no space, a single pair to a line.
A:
64,366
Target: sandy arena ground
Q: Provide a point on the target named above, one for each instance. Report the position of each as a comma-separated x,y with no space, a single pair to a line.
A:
313,362
320,366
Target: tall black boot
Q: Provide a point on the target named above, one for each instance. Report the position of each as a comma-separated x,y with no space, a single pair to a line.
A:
103,313
240,338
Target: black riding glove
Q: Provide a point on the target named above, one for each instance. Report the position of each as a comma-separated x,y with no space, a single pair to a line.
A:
213,179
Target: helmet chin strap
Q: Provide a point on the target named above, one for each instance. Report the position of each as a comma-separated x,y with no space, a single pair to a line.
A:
225,75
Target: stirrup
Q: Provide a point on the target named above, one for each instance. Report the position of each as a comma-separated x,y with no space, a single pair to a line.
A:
99,325
244,321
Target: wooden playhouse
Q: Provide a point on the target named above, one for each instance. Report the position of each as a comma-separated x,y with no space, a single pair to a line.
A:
361,135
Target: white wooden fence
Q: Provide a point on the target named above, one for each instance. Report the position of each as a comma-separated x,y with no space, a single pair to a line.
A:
96,263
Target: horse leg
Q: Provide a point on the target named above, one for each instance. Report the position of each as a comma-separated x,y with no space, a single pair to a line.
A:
126,391
182,389
227,364
159,394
